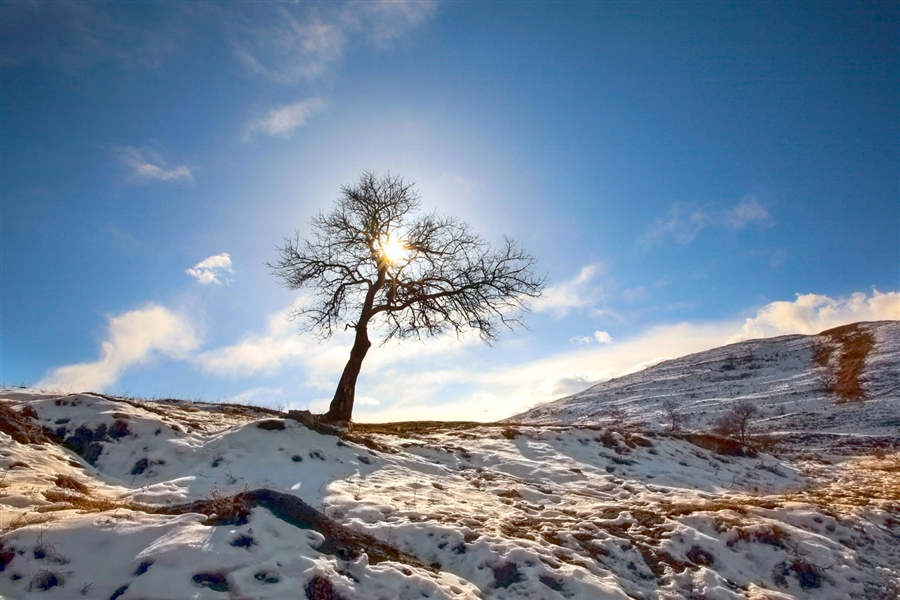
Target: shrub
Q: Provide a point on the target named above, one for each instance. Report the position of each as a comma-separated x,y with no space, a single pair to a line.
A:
736,421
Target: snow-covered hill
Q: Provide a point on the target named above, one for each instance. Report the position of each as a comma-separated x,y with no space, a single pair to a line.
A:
113,498
841,381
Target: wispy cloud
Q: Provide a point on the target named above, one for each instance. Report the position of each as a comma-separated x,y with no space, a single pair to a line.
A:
278,346
212,269
146,165
684,221
304,42
133,338
264,352
812,313
582,291
281,122
747,211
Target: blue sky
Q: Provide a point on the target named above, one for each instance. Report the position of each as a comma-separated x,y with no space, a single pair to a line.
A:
687,174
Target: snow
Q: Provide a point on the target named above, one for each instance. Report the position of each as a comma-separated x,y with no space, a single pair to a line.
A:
778,375
541,509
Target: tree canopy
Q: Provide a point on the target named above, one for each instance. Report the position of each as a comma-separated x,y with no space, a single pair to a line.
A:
377,260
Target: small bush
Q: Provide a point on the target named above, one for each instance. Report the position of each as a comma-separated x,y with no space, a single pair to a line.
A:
808,575
736,421
506,575
70,483
217,582
266,577
319,588
243,541
119,429
7,554
44,580
699,556
510,433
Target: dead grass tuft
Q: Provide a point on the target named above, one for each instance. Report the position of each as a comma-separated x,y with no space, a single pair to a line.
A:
64,499
70,483
27,519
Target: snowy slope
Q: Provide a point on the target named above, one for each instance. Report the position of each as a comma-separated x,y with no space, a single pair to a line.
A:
147,508
787,378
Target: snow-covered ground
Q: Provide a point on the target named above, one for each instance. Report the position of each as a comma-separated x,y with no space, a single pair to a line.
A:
146,507
786,378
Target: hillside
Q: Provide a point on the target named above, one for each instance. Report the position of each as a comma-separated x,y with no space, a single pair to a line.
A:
118,498
842,382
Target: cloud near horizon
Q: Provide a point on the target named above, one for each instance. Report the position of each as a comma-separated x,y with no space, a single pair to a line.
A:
133,338
439,381
210,270
513,388
814,313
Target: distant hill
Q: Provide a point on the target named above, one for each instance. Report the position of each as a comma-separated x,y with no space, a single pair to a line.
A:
842,381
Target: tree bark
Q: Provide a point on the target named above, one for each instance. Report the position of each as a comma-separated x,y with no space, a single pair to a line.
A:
341,407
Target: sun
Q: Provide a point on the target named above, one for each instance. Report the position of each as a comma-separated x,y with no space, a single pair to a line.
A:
394,250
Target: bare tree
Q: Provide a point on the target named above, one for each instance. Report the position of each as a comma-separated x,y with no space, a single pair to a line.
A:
376,258
674,416
736,421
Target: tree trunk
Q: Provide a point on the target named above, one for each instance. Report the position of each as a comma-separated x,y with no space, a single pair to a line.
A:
341,407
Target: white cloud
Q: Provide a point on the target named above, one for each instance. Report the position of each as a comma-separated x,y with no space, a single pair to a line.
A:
602,337
579,292
258,353
812,313
281,122
147,165
210,270
306,42
278,346
747,211
133,338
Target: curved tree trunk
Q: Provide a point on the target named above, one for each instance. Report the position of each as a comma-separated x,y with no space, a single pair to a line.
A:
341,407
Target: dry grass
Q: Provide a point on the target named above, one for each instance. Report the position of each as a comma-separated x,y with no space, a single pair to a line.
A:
64,499
19,425
845,369
28,518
